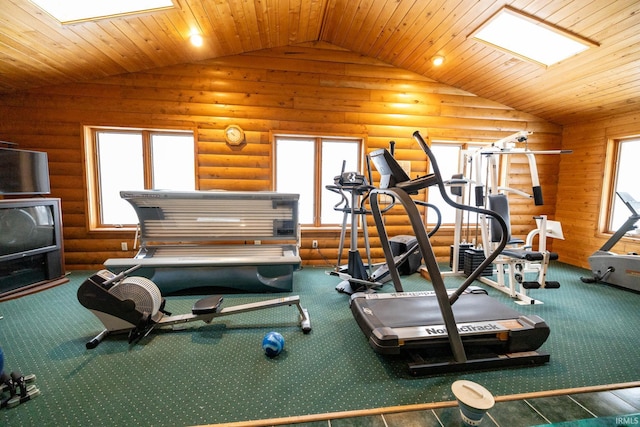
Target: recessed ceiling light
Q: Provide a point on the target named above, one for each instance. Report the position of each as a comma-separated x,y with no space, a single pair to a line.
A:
437,60
530,38
196,39
72,11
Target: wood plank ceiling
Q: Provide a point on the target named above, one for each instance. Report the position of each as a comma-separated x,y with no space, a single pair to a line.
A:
35,50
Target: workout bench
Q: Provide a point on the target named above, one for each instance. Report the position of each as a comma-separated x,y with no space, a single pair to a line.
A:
518,261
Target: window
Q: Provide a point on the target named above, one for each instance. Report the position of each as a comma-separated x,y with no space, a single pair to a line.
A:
451,160
305,165
134,159
624,162
448,159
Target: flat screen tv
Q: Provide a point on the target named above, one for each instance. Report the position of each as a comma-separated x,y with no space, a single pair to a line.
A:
23,172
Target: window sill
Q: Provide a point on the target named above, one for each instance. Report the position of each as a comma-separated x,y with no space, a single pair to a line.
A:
112,230
633,238
319,230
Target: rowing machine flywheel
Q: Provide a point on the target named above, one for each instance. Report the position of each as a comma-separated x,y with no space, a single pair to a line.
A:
142,291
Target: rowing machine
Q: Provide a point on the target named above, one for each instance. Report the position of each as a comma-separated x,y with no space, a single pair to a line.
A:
135,306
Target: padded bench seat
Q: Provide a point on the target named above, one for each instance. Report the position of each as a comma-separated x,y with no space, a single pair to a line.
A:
528,255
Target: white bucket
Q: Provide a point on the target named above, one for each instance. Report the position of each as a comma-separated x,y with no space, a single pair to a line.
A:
474,401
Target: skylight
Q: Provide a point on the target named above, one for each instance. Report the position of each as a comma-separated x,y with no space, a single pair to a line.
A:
71,11
530,38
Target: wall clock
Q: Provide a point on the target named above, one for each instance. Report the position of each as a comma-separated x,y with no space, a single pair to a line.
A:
234,135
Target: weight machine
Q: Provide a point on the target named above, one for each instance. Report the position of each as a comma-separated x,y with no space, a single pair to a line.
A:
518,259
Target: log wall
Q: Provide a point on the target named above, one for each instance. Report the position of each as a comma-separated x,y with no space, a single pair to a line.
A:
315,88
580,187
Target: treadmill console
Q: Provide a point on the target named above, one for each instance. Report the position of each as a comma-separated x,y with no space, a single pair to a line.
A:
392,174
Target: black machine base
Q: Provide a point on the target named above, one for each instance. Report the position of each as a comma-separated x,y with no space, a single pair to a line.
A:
420,366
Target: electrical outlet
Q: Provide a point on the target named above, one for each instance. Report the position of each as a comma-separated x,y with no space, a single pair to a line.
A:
314,244
124,246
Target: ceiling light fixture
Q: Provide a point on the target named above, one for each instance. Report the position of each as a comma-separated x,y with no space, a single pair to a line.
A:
530,38
196,39
437,60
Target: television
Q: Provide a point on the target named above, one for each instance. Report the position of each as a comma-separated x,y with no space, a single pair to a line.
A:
23,172
31,250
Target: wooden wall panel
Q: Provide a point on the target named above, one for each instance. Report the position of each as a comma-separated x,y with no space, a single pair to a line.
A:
316,88
580,187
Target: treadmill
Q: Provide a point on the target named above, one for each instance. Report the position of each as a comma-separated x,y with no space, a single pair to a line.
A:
441,330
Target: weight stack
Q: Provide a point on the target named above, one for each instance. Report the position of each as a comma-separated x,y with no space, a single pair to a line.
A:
461,248
472,260
400,245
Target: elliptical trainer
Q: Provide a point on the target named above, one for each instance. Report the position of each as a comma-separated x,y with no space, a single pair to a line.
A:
618,269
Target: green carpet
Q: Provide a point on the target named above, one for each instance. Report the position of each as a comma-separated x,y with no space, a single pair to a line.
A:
218,373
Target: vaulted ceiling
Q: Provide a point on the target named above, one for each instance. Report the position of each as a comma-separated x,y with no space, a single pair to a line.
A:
35,50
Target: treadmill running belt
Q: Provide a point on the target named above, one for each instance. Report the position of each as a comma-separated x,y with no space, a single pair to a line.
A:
419,311
397,322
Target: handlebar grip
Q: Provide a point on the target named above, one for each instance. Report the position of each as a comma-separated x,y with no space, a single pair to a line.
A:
537,196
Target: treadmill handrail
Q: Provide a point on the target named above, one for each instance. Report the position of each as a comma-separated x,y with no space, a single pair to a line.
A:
628,225
443,192
428,256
